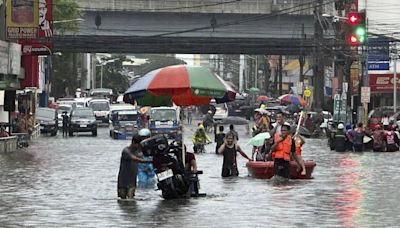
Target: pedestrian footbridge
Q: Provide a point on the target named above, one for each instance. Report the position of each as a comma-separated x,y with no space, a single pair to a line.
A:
237,28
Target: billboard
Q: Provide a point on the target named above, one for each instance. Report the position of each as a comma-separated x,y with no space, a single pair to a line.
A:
22,18
29,19
45,18
382,82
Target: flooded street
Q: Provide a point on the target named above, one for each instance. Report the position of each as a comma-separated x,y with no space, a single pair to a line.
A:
71,182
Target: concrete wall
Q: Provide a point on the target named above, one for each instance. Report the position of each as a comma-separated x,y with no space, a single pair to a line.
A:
199,6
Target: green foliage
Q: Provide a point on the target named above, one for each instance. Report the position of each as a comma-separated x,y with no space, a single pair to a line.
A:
156,61
64,79
111,77
65,10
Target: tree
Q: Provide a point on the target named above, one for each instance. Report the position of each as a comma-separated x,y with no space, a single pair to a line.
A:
64,78
66,11
112,78
155,61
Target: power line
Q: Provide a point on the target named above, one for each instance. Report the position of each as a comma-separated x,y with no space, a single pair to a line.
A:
148,9
249,19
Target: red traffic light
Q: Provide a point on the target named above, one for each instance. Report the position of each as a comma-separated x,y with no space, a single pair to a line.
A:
353,18
353,40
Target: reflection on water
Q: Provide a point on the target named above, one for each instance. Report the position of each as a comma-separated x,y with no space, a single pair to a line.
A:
72,182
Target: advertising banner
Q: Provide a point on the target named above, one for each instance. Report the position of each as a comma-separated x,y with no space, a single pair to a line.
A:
45,18
29,19
22,18
382,83
14,59
354,81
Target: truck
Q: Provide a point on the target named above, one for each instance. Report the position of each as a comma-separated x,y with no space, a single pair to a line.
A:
164,120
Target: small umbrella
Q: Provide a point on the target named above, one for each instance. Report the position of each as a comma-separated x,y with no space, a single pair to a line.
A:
292,99
235,120
259,139
262,98
254,90
181,84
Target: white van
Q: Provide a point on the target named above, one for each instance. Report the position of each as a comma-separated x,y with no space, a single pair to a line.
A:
101,109
82,102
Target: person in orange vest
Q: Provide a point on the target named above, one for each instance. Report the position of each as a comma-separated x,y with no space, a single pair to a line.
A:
283,149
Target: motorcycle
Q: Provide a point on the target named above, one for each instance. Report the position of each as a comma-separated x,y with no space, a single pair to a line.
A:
173,181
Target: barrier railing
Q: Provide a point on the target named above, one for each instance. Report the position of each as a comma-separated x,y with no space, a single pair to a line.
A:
8,144
36,132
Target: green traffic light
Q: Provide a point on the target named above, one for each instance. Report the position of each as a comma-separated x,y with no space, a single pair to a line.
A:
360,32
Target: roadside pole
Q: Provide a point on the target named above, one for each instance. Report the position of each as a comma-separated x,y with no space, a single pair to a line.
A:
394,80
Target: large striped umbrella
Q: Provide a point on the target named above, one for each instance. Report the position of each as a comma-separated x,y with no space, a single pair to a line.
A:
292,99
181,84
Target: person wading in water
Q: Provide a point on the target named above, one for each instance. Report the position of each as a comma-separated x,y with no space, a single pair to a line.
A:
128,169
283,149
229,150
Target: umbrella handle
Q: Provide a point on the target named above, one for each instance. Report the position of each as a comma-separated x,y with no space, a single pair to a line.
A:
298,125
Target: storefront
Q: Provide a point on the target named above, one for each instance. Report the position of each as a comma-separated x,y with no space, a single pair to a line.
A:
10,76
382,89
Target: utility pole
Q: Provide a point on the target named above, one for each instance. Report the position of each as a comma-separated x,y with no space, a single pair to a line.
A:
2,20
256,72
280,74
319,80
241,73
267,73
301,56
394,78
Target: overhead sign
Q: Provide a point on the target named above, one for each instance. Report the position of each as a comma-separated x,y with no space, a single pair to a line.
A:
365,94
382,82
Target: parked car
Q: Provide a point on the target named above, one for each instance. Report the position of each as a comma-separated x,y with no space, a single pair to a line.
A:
82,120
48,120
238,107
61,109
221,110
102,93
82,101
67,101
375,115
101,109
327,118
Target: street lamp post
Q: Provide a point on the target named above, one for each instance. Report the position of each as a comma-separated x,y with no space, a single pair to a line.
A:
101,72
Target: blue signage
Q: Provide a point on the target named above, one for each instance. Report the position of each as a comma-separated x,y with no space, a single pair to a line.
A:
378,49
378,65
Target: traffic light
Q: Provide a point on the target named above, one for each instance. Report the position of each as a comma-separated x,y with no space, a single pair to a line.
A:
357,31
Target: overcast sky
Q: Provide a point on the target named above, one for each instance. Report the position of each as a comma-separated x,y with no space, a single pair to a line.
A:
383,16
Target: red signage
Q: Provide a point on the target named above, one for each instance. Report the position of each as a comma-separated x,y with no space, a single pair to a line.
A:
45,18
383,82
37,49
